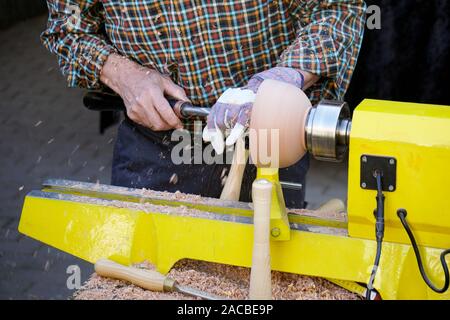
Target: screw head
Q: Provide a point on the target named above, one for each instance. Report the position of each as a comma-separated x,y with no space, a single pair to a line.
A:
391,161
391,188
364,185
364,159
275,232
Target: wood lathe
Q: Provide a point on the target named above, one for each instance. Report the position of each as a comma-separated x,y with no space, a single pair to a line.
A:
398,168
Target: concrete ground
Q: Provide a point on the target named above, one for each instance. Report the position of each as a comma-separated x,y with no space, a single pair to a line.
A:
46,133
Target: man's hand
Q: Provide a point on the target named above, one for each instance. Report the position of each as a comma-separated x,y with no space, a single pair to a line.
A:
143,91
233,109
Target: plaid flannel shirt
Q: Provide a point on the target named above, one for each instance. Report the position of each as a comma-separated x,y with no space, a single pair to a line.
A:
209,46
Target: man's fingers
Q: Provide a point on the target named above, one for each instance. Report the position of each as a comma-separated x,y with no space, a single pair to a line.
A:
221,117
242,122
146,116
230,111
213,134
153,120
217,140
165,111
174,91
235,134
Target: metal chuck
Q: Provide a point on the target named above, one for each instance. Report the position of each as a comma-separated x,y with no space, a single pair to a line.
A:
327,131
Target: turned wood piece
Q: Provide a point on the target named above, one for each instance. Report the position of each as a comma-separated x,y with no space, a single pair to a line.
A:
260,276
232,187
277,125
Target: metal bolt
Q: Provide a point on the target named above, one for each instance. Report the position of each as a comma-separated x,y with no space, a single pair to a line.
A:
391,188
364,159
364,185
391,161
275,232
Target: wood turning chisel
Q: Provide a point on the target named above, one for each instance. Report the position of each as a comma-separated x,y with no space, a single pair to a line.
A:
102,101
147,279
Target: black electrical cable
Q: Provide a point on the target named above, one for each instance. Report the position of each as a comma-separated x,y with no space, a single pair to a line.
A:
401,213
379,231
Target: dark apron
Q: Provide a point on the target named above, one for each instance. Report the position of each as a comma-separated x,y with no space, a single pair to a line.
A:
142,159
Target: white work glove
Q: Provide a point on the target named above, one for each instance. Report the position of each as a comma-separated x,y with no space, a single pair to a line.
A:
232,110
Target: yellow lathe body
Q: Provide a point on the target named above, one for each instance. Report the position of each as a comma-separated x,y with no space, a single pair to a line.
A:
418,137
91,222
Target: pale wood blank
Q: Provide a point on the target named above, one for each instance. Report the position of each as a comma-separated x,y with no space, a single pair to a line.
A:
232,188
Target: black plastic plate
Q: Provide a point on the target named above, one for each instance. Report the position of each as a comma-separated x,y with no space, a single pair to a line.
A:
388,167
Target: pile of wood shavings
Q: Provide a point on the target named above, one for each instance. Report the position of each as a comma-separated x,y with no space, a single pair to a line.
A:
177,195
222,280
337,216
145,207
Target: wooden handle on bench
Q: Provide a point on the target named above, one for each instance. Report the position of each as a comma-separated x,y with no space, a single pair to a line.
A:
260,277
332,206
147,279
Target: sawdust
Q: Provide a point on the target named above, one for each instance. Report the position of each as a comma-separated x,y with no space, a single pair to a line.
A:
184,210
174,196
222,280
337,216
192,198
146,196
141,206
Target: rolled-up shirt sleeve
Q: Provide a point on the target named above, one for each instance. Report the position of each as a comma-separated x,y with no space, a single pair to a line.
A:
328,43
74,34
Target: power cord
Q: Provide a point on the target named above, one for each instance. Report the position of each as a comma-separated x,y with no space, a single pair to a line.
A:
379,231
401,213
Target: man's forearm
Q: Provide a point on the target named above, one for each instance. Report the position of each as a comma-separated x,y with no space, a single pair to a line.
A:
328,44
117,69
81,47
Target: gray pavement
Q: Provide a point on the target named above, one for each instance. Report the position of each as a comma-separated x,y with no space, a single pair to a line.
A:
46,133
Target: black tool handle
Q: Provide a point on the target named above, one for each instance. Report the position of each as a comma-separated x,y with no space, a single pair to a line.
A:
103,101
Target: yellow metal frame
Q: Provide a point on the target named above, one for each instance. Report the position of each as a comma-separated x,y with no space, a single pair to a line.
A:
279,223
95,221
93,228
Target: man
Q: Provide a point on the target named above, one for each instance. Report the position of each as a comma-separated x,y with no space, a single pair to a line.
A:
195,50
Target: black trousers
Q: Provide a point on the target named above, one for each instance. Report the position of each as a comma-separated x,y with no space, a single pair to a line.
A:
142,159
